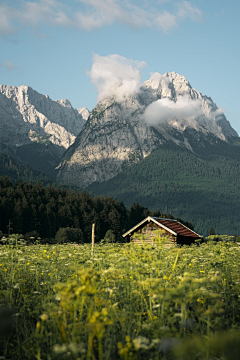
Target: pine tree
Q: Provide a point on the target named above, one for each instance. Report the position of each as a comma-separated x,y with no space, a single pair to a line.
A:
212,231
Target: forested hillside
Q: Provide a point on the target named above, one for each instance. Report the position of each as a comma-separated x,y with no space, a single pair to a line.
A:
32,207
20,171
204,189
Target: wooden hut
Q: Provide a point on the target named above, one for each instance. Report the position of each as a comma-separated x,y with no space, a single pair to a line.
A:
173,231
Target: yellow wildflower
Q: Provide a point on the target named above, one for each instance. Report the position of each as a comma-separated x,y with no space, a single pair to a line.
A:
44,317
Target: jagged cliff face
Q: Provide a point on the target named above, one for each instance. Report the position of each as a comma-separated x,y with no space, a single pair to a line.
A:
113,137
201,113
36,130
117,134
26,116
84,112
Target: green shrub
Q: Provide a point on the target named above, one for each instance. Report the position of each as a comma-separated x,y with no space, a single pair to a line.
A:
66,235
109,237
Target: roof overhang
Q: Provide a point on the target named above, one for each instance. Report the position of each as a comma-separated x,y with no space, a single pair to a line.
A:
148,219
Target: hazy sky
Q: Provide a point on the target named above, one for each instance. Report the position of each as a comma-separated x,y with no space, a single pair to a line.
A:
54,46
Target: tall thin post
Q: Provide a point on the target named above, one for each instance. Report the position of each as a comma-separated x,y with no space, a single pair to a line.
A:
93,235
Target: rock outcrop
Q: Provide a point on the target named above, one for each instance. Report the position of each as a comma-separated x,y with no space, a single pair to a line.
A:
28,118
117,134
24,111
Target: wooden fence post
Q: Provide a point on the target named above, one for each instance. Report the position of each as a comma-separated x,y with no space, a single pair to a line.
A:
93,235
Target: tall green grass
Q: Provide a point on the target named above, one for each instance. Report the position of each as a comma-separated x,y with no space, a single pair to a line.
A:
120,302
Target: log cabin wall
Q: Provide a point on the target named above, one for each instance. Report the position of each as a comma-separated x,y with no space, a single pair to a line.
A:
149,231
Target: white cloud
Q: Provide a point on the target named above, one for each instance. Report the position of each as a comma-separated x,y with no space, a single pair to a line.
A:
115,75
92,14
5,21
166,109
186,10
165,21
11,66
8,65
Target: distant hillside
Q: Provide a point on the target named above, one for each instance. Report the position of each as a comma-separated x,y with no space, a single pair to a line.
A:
20,171
24,173
204,189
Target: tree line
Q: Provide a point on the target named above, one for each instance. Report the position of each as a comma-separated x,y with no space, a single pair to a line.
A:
33,208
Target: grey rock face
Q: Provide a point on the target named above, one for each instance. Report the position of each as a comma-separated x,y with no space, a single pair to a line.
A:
27,116
114,136
84,112
118,134
36,129
173,87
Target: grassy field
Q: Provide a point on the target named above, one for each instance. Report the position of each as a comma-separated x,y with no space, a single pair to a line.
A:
120,302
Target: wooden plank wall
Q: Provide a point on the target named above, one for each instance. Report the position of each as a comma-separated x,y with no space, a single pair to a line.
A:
150,230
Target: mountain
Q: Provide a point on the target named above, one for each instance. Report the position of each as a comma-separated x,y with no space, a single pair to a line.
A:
203,190
35,129
123,131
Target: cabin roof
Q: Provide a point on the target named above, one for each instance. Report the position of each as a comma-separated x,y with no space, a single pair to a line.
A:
172,226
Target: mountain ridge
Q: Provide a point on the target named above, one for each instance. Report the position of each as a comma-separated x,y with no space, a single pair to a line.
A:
121,132
28,118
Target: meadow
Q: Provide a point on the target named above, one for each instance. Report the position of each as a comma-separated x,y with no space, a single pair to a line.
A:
120,302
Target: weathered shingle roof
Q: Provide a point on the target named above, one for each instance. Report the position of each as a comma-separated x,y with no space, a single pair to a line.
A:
177,227
173,226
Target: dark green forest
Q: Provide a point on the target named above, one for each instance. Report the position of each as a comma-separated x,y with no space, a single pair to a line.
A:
203,189
32,207
20,171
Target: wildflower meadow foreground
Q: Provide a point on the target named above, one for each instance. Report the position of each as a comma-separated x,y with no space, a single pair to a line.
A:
120,302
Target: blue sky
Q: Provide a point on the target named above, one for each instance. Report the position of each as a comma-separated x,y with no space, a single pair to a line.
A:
50,45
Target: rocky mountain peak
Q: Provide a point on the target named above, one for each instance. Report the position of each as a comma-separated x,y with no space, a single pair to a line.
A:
25,109
84,112
120,132
65,103
169,85
31,123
